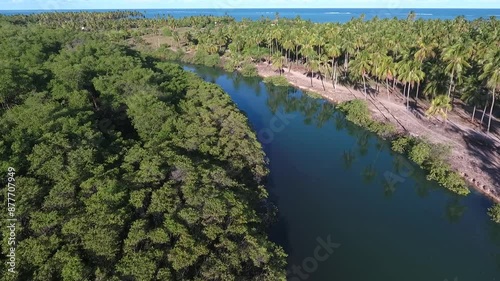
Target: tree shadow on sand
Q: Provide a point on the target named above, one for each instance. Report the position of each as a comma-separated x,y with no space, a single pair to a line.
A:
488,152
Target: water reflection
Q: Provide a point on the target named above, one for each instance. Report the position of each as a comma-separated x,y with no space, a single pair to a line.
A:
367,157
455,210
317,112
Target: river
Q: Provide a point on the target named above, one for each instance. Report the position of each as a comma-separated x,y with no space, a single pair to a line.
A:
349,208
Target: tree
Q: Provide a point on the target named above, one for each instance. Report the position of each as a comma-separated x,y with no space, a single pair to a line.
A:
439,106
131,160
387,71
456,57
278,62
491,72
333,51
361,66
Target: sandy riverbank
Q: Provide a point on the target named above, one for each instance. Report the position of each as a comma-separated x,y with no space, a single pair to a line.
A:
474,154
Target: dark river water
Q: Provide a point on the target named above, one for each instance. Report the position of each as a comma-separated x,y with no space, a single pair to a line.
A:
349,208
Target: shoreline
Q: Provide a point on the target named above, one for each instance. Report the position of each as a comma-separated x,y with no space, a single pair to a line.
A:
453,133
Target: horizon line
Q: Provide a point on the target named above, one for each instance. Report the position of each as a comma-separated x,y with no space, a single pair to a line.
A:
199,8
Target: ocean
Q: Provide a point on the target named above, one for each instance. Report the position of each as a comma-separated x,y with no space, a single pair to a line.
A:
315,15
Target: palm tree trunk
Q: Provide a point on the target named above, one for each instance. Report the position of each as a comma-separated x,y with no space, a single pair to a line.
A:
286,56
364,86
484,112
346,62
387,84
333,74
321,77
290,62
408,97
296,55
270,55
473,114
418,89
491,109
451,82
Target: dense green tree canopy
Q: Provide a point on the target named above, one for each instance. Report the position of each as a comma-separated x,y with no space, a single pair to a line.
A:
127,168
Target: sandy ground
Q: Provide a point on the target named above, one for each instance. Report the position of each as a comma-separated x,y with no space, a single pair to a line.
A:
474,153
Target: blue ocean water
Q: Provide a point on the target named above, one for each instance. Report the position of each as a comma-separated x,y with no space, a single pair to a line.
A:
315,15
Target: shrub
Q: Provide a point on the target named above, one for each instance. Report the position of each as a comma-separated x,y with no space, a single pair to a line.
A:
358,113
203,58
451,180
402,144
230,65
494,212
420,153
211,60
276,81
432,159
248,69
382,129
168,54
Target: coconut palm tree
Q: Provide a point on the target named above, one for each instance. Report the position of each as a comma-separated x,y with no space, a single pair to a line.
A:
491,72
278,62
425,51
456,56
440,106
361,67
387,71
333,52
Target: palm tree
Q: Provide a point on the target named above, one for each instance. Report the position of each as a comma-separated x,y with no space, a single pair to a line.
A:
456,57
439,106
387,71
288,45
333,51
419,76
404,75
361,66
425,51
278,62
491,72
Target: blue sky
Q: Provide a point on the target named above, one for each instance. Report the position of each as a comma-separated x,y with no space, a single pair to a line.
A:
231,4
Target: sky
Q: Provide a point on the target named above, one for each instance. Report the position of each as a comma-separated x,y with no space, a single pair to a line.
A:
233,4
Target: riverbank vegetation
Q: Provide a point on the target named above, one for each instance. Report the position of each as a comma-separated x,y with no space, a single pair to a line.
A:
357,112
430,157
279,81
494,213
127,167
